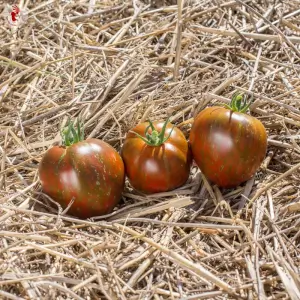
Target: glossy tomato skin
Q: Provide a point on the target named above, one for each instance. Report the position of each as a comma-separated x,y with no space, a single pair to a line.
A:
154,169
91,172
227,146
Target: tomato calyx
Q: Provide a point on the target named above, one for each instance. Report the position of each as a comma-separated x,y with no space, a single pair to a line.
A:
155,138
70,135
239,103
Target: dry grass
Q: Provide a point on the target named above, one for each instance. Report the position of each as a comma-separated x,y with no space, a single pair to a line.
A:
116,64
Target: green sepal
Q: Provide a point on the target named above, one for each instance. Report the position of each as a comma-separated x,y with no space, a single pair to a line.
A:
239,103
155,138
70,135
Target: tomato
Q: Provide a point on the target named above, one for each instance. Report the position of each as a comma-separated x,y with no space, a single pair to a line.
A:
90,172
228,145
157,157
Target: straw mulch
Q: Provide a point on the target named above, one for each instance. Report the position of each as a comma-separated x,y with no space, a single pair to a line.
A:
116,64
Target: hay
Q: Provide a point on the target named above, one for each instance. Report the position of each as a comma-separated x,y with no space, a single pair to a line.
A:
115,64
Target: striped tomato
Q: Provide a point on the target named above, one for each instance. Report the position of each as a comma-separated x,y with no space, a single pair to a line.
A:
157,157
227,144
88,172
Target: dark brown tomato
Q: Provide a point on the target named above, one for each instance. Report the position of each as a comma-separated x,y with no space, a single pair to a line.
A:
227,146
153,169
90,172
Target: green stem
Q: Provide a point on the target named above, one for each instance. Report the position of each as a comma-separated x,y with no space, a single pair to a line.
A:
155,138
70,135
239,103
